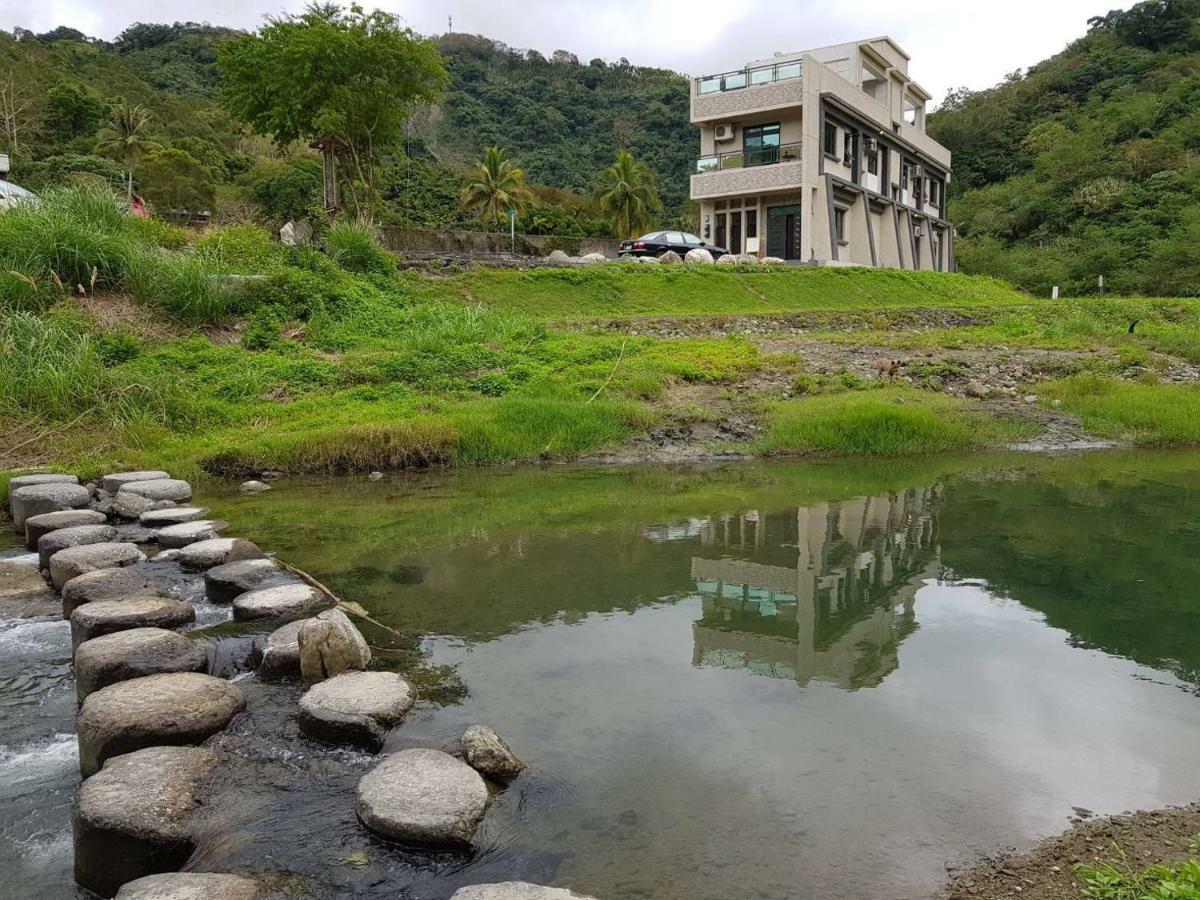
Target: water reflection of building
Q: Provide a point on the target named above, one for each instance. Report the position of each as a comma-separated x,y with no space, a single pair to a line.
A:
839,613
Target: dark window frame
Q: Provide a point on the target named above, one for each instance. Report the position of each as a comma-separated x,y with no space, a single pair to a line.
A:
767,152
839,224
829,141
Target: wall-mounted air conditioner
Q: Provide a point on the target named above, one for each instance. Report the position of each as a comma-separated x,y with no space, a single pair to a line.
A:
869,143
724,133
918,172
918,232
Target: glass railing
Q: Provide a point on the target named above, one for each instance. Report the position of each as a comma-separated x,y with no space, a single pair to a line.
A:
744,159
735,81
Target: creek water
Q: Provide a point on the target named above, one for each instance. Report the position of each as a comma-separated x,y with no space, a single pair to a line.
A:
737,681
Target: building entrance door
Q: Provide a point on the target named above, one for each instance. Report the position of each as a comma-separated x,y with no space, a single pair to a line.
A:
783,232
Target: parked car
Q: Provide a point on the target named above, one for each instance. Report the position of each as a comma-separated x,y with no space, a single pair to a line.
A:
11,195
659,242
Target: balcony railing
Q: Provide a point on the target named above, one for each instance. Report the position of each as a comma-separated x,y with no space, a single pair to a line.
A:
744,159
742,78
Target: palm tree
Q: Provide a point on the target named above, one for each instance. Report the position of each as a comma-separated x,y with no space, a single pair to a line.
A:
496,186
628,195
124,138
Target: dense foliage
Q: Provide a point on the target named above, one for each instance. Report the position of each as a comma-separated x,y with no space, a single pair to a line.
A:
1086,165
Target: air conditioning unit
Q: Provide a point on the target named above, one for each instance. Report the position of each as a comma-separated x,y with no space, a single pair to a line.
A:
918,231
869,143
724,133
918,172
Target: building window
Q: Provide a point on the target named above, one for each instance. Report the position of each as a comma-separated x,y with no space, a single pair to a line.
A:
720,229
873,162
760,144
831,133
735,232
751,223
935,193
848,149
839,225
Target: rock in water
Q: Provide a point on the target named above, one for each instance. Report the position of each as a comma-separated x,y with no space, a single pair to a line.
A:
330,645
172,515
355,708
24,592
280,653
113,483
76,536
224,583
158,710
216,552
133,818
253,487
288,601
191,886
423,797
76,561
515,890
108,616
173,489
488,754
21,481
174,536
34,499
36,526
128,505
134,653
110,584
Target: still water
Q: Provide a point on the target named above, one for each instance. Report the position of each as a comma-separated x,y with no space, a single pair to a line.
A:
744,681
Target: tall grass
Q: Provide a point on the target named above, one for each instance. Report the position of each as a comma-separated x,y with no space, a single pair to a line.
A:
354,247
1148,415
191,286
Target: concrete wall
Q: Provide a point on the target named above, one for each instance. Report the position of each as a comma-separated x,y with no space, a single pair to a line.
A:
469,243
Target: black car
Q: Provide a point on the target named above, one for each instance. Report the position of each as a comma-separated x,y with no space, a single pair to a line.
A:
659,242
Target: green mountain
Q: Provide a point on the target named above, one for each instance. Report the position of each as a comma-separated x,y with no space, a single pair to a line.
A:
1086,164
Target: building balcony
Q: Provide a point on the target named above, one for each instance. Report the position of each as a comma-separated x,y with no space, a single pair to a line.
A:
746,172
746,91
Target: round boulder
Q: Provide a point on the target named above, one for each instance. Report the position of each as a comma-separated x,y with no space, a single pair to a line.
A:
75,561
512,890
128,505
747,259
593,259
76,536
110,584
133,818
253,487
558,258
279,653
35,499
191,886
157,710
774,261
727,259
116,481
355,708
173,489
36,526
174,536
698,255
287,601
330,645
670,257
223,583
107,616
216,552
423,797
172,515
488,754
134,653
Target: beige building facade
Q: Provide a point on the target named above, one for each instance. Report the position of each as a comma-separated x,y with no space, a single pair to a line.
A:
822,157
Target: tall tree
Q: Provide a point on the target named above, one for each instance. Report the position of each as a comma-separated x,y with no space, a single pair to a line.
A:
124,138
330,72
496,185
628,195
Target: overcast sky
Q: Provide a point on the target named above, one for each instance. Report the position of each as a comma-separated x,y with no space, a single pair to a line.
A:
952,42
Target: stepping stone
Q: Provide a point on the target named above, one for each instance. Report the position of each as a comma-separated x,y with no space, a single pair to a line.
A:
25,594
172,515
157,710
134,653
488,754
191,886
133,818
330,645
510,890
127,505
113,483
36,526
110,584
217,551
173,489
279,656
107,616
35,499
355,708
287,601
424,797
75,561
76,536
21,481
223,583
185,533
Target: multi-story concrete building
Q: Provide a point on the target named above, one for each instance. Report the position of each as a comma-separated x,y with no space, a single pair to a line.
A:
821,156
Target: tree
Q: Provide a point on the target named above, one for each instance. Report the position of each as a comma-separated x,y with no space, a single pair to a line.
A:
337,73
174,181
628,196
496,186
73,110
124,138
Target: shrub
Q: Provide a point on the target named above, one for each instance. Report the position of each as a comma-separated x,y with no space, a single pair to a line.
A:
354,247
187,285
246,249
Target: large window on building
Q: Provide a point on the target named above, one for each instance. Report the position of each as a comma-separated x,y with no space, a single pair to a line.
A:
760,144
830,142
839,224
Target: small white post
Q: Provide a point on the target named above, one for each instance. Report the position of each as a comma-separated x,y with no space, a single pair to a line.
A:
512,229
1054,292
1100,281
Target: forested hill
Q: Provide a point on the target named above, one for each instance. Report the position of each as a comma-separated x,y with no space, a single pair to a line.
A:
1087,164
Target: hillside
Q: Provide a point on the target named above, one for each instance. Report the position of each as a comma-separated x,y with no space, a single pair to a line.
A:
1087,164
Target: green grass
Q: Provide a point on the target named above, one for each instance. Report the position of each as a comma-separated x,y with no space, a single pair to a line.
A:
1145,414
882,422
1121,879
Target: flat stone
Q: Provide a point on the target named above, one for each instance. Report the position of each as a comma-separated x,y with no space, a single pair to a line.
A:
35,499
107,616
110,584
75,561
190,532
355,708
134,653
113,483
174,489
287,601
75,536
330,645
223,583
36,526
191,886
253,487
134,817
127,505
157,710
172,515
512,890
217,552
279,656
424,797
488,754
24,593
